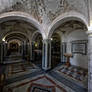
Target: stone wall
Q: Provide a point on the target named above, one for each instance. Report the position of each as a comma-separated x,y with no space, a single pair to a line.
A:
77,59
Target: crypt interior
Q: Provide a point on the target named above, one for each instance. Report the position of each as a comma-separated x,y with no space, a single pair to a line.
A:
45,46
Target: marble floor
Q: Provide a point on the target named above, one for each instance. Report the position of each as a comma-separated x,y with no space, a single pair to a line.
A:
27,77
21,68
73,73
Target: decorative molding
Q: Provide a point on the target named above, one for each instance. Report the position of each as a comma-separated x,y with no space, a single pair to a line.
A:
79,47
42,10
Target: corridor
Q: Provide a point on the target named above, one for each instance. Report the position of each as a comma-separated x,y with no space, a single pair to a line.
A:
27,77
45,46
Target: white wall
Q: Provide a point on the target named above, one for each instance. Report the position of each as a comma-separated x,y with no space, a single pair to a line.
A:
78,59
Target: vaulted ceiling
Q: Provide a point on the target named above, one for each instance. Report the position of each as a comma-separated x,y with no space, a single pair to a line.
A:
17,36
16,25
45,11
72,25
16,29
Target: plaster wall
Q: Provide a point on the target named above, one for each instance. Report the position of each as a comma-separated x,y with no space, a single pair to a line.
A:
77,59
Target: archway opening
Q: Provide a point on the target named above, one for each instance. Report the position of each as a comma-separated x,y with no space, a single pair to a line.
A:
14,42
55,49
73,50
37,49
13,48
16,37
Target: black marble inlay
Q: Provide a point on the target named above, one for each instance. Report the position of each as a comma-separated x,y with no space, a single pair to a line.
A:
48,54
44,55
38,89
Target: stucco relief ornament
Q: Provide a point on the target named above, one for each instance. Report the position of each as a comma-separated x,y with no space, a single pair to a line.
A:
42,10
63,6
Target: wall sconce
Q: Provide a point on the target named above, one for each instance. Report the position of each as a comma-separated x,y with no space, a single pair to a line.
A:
36,45
3,39
51,39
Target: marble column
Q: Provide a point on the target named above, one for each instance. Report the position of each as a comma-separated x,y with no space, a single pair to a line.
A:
5,48
28,51
2,52
22,50
25,48
31,51
90,61
63,50
46,57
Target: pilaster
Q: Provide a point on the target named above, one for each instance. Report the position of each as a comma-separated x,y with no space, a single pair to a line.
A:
46,60
89,61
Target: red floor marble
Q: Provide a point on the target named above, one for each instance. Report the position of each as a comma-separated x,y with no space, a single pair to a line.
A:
19,68
42,83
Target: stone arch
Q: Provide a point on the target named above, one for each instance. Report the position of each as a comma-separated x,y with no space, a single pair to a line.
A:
21,16
15,40
34,35
36,48
72,15
5,35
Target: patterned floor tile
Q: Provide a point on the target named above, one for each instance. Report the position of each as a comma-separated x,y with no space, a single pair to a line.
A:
41,83
75,74
14,70
27,77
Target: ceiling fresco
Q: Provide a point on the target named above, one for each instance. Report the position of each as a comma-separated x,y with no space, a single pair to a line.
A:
45,11
70,26
16,26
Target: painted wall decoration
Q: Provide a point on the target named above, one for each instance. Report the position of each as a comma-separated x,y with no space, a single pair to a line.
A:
79,47
45,11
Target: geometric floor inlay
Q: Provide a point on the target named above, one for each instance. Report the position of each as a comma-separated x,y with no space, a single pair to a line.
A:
73,73
45,81
41,88
17,69
42,83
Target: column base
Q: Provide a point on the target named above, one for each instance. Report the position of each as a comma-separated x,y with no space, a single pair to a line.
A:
46,69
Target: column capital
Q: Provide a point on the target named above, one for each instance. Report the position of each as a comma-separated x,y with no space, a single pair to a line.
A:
46,40
89,32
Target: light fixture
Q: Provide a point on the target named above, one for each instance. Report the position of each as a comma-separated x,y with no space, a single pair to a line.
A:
3,39
51,39
36,45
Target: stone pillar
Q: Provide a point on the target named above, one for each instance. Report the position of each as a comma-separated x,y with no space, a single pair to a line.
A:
89,61
2,52
22,50
46,57
63,50
5,49
31,51
28,51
